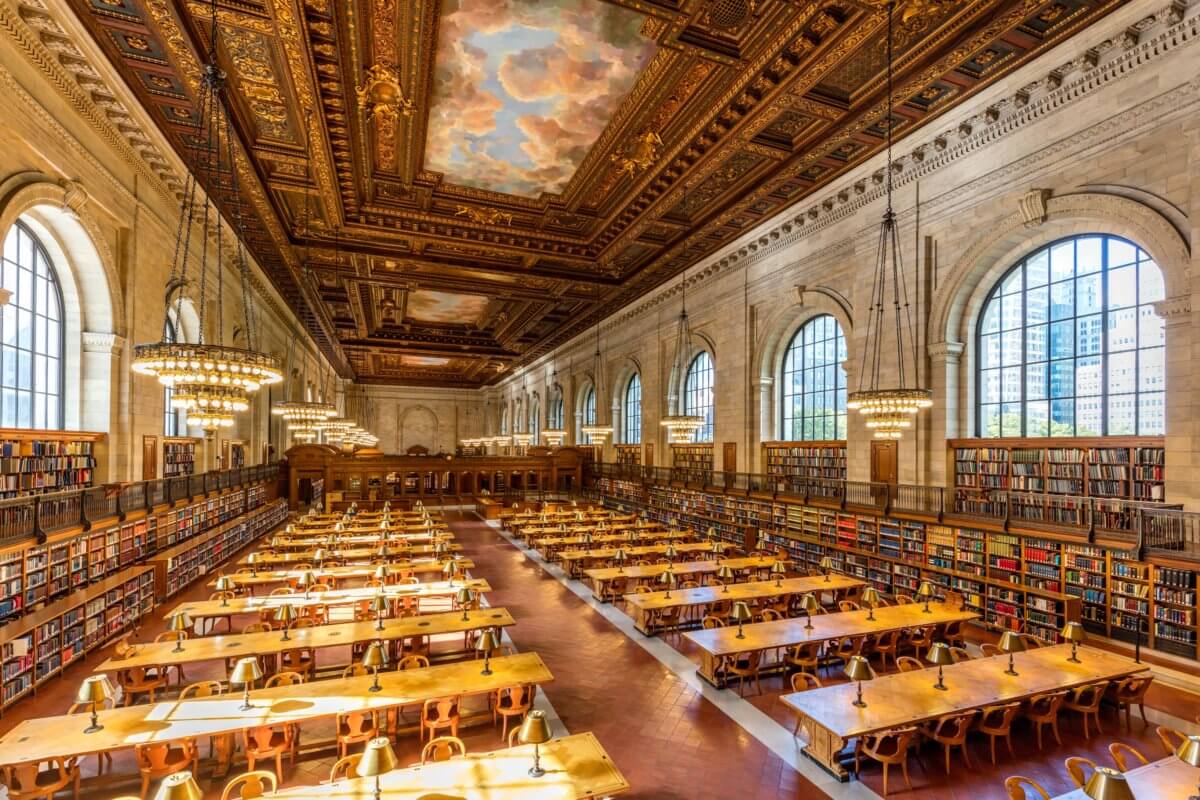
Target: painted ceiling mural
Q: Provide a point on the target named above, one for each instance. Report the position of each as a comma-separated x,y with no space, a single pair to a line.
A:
522,88
486,176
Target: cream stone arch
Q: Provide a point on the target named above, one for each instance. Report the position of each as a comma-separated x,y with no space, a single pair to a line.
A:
959,301
779,329
88,276
627,367
418,425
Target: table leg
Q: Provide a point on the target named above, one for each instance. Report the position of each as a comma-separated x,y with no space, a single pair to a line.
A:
708,669
598,589
643,620
823,747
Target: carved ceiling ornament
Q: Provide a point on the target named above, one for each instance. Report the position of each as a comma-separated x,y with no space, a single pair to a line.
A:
381,95
484,216
640,156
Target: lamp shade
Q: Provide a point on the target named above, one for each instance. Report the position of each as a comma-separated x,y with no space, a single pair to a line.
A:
225,584
286,613
1189,751
1108,784
379,603
180,621
1073,632
535,729
740,612
180,786
384,551
377,759
464,596
94,689
870,596
307,578
859,669
246,671
667,578
671,552
488,641
620,556
826,563
940,654
1011,642
925,590
809,604
254,558
382,572
716,547
725,572
779,568
375,657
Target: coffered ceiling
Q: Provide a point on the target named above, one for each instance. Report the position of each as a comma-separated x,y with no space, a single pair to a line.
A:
444,189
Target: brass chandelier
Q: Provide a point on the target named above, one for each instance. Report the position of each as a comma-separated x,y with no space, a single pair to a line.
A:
889,411
211,381
597,433
681,428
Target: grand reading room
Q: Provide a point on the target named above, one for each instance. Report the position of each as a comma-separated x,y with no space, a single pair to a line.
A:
590,399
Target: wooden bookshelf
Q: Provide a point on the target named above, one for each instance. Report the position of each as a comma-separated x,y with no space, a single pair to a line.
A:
630,454
179,456
825,460
40,461
233,454
692,456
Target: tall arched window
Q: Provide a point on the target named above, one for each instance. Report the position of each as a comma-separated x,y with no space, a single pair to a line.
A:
1069,344
31,348
589,411
813,402
535,419
698,394
633,410
504,421
556,410
172,425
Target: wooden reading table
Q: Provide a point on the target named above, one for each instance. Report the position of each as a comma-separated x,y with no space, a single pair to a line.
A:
397,563
551,546
348,554
601,576
1165,779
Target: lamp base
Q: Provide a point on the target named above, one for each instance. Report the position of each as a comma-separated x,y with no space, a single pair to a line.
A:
1012,672
859,704
245,707
940,686
93,728
1075,660
486,671
536,772
375,689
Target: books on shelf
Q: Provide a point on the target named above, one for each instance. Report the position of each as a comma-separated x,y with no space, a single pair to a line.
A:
179,457
692,456
36,462
824,460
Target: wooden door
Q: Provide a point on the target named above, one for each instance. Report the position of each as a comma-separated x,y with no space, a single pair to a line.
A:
649,457
149,458
884,462
729,457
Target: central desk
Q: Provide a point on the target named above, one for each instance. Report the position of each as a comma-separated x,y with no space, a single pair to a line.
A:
908,698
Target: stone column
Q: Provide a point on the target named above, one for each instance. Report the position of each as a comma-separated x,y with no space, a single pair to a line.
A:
100,365
1181,406
766,422
945,361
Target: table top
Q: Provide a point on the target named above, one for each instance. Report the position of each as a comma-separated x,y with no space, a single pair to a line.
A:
644,550
603,538
289,541
42,738
334,597
787,632
1165,779
679,568
906,698
576,767
753,590
240,645
361,571
347,553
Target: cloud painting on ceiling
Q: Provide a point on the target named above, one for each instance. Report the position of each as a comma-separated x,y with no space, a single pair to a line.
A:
423,361
446,308
524,87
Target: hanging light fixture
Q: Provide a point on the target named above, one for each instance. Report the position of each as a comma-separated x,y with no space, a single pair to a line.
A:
889,411
211,381
554,436
597,433
682,428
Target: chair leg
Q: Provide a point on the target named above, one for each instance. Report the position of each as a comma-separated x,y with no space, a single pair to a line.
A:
1054,728
904,771
885,777
145,786
992,744
1099,729
1008,742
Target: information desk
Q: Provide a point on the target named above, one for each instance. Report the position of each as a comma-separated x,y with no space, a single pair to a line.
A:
397,563
718,643
62,736
207,609
645,607
240,645
577,767
1166,779
683,570
908,698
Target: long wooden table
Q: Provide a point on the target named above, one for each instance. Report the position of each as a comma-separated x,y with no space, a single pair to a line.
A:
908,698
551,546
421,566
646,606
348,554
599,576
304,542
718,643
206,609
1165,779
575,561
344,634
577,767
42,738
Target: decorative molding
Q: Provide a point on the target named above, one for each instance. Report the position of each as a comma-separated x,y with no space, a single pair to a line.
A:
93,342
1032,206
1175,310
947,352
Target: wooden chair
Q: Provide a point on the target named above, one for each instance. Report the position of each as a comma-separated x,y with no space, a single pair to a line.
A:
344,767
921,639
847,605
996,722
302,622
440,713
267,741
709,622
1131,691
157,761
257,627
444,748
805,657
30,781
251,785
1124,755
140,680
990,649
904,600
1016,788
1170,738
415,661
743,666
212,621
282,591
952,634
841,650
301,660
1086,701
512,701
802,682
355,671
1043,710
201,689
908,664
1079,768
354,727
102,758
887,644
951,731
284,679
960,654
888,748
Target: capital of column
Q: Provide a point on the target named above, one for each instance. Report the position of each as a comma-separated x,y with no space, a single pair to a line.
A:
1175,310
108,343
765,382
946,352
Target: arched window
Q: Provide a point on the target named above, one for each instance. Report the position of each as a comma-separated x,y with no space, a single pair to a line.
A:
813,388
698,394
535,419
172,424
1069,344
589,411
504,421
556,410
31,348
633,410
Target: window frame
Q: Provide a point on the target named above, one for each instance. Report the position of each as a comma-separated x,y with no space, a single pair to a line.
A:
171,416
705,433
797,343
633,410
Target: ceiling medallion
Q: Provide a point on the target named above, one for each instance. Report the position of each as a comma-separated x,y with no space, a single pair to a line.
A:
484,216
381,95
640,155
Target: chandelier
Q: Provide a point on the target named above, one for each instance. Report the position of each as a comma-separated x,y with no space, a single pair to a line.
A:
682,428
889,411
597,433
211,381
554,436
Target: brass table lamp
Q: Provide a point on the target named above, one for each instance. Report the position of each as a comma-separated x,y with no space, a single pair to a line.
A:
778,569
450,571
379,604
667,578
180,786
382,573
486,644
374,659
809,605
940,655
870,599
96,690
925,593
246,672
253,560
858,669
741,615
307,580
726,574
465,597
224,585
717,549
286,614
384,552
827,567
1074,633
377,759
1011,642
179,623
671,552
1189,753
535,731
319,556
619,558
1108,784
